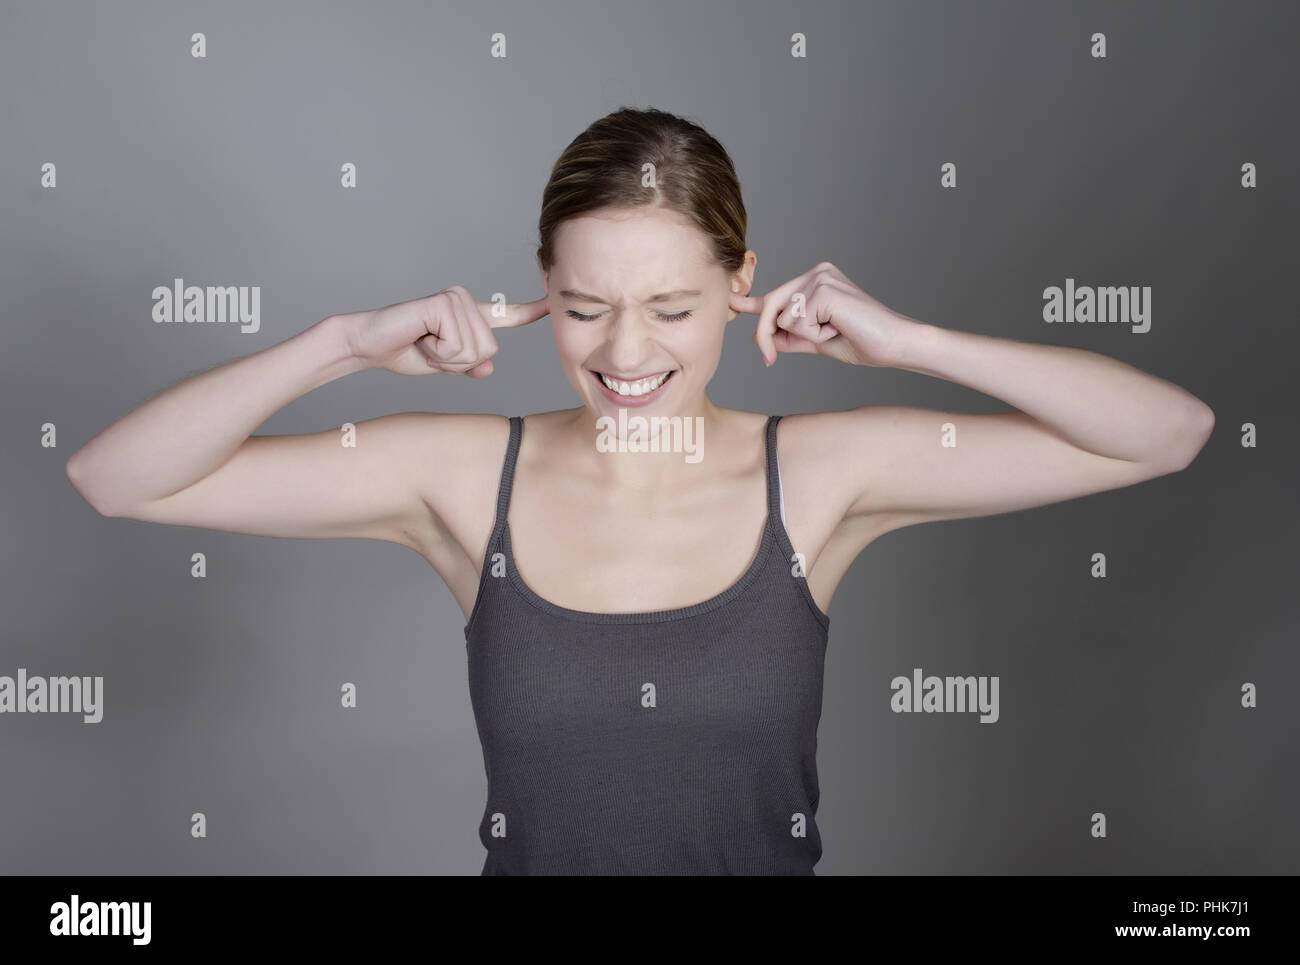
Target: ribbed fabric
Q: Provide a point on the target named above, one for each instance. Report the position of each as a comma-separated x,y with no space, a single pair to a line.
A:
670,742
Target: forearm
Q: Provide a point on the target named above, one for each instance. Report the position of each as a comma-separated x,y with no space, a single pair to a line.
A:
189,430
1096,402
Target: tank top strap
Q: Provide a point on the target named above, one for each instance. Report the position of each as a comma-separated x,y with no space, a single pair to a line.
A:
773,479
507,476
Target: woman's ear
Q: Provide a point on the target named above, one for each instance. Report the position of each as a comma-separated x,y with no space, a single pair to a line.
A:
742,280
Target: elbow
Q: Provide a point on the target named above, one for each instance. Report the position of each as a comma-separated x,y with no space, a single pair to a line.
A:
76,472
1195,434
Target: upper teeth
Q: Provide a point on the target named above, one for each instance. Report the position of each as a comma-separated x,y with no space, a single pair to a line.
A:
639,387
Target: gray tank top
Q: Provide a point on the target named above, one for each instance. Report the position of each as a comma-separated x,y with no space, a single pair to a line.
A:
676,741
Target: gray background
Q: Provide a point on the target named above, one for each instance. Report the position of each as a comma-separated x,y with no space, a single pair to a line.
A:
1118,695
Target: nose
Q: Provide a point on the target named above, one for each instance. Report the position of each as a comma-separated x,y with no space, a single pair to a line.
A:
630,340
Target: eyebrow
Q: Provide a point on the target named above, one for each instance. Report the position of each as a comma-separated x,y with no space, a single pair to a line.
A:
581,296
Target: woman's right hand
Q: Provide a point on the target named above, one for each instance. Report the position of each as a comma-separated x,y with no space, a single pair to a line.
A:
445,332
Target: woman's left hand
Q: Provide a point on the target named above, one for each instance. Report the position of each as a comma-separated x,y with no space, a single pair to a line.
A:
824,313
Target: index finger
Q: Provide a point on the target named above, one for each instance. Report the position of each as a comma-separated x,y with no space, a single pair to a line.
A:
512,316
749,304
753,305
771,305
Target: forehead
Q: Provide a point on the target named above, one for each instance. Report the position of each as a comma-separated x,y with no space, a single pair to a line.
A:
629,251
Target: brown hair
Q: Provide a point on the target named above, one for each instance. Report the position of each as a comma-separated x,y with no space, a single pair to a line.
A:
693,174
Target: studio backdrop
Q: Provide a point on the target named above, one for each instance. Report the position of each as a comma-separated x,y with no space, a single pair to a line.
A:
970,165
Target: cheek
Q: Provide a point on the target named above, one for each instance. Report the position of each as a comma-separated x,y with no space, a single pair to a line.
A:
571,342
704,339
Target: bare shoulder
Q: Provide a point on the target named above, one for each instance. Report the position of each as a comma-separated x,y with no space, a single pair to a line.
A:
459,441
813,447
827,459
455,460
855,458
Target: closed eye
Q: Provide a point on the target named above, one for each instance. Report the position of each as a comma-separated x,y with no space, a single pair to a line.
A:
675,317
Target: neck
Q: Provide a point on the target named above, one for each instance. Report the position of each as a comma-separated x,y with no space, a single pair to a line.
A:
639,450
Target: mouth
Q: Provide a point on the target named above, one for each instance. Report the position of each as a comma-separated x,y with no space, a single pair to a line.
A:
635,391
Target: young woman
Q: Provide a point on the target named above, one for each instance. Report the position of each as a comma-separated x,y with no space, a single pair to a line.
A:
645,629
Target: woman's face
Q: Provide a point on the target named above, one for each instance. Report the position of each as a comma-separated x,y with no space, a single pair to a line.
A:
634,292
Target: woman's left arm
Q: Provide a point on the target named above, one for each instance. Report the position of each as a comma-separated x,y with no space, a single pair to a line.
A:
1085,422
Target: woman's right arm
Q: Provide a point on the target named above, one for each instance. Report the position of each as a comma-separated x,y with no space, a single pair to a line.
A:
187,456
